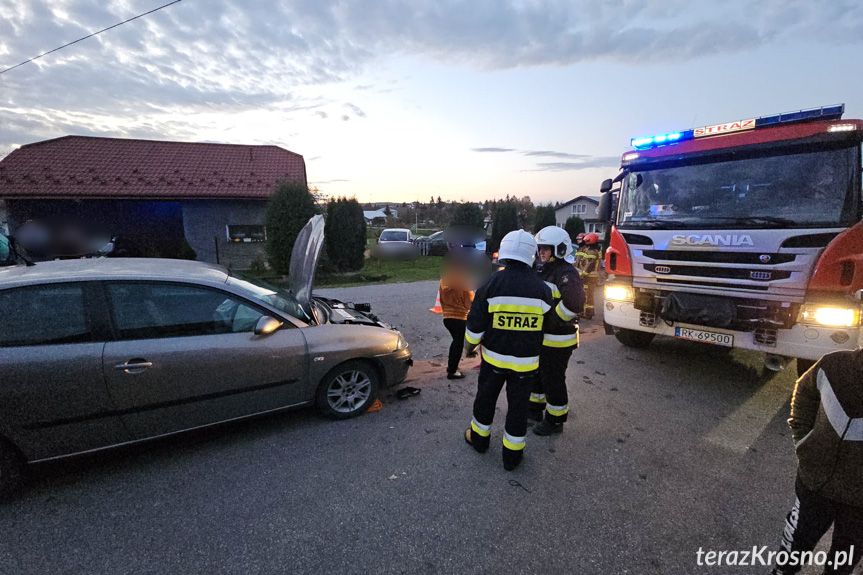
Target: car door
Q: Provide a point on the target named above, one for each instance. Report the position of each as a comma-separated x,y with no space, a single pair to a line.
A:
53,398
186,356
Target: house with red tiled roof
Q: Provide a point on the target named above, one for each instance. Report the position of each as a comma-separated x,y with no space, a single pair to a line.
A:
152,194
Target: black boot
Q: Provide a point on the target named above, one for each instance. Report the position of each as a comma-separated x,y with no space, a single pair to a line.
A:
512,458
455,375
476,440
548,428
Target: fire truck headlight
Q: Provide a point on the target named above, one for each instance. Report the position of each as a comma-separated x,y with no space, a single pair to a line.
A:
619,293
830,316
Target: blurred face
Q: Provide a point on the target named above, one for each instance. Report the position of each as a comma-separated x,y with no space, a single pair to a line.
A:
545,253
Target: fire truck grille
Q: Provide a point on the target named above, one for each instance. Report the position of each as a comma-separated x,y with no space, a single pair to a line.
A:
708,272
750,258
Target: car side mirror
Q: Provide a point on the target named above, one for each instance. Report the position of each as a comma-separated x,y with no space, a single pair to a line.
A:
267,325
605,186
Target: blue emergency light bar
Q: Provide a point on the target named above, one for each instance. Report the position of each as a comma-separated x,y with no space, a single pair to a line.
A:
824,113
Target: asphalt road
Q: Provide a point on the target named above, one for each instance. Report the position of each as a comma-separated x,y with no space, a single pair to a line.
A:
670,449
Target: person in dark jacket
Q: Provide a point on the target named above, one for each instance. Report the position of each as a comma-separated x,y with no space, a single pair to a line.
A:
506,316
827,426
560,331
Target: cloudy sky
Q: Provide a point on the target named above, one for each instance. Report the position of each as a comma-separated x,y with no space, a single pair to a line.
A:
395,100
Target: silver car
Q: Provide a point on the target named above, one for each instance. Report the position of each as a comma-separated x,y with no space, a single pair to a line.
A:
100,352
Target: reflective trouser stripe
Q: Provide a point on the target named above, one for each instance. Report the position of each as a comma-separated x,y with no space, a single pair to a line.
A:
568,340
555,292
537,398
512,442
479,428
517,304
564,313
520,364
473,337
557,410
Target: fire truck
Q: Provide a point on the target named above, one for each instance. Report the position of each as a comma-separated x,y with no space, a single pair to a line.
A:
744,234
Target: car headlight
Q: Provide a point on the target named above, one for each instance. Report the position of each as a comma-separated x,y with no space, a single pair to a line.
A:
619,293
403,343
829,315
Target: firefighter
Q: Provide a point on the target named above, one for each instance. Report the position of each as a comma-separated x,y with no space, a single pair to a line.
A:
579,240
827,426
587,260
507,316
560,332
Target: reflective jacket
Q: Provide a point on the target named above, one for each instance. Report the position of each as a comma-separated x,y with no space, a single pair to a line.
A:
507,316
827,425
587,260
568,293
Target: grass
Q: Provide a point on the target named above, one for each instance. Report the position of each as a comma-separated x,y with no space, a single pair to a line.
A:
381,272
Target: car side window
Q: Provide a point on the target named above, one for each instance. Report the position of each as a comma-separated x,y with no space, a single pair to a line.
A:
48,314
150,310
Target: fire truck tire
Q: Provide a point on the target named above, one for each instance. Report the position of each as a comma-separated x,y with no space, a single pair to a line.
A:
633,338
803,365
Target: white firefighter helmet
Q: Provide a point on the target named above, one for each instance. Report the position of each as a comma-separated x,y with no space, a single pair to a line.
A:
518,245
557,239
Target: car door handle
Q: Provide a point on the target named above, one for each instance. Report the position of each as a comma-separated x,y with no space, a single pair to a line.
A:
134,364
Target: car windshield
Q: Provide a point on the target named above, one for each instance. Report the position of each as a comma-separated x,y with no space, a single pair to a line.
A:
279,298
394,236
811,189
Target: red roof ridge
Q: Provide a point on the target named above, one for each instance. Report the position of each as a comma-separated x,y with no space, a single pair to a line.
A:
113,138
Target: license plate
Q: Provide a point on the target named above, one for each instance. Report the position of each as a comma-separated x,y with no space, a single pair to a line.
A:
704,336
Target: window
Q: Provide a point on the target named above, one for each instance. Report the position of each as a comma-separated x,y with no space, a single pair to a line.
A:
48,314
579,209
246,233
144,310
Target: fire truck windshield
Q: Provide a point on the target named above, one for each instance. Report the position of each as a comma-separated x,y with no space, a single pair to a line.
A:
799,190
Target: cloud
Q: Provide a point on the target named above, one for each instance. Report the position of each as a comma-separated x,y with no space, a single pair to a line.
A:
581,161
588,162
322,182
356,110
322,114
220,55
345,118
548,154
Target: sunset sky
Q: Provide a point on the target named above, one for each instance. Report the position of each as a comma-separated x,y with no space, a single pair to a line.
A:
396,100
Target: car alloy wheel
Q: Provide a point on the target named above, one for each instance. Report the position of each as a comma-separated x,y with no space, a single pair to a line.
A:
348,390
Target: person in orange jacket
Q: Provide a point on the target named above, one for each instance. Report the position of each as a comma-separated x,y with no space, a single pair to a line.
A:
455,300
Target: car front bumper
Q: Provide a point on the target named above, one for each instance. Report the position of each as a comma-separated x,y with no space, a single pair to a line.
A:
395,366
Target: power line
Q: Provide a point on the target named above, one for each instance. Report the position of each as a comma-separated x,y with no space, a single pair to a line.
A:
89,36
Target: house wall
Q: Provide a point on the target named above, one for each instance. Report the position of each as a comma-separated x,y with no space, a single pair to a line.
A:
587,210
205,223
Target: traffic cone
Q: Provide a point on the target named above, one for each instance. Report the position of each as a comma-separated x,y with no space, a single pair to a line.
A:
437,308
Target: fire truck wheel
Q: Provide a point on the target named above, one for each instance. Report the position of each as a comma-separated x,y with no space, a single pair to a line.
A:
633,338
803,365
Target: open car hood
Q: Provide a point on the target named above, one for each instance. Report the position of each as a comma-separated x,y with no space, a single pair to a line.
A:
304,260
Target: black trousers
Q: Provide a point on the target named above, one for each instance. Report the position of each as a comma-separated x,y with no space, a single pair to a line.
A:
551,382
808,521
518,385
456,328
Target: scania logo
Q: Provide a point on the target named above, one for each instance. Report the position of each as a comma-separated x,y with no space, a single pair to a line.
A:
765,258
662,269
714,240
760,275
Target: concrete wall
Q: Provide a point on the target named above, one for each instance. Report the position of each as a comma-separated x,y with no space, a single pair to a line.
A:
205,223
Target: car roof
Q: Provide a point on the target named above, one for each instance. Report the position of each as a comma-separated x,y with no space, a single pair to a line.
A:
395,230
113,268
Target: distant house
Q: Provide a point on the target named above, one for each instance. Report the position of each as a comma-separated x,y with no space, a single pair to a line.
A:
152,193
585,207
374,217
